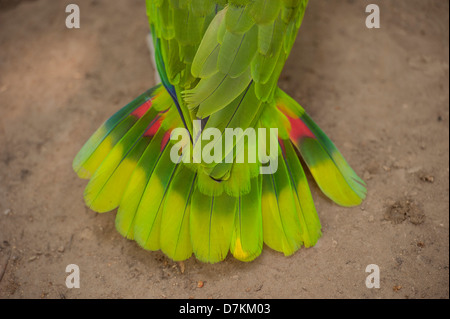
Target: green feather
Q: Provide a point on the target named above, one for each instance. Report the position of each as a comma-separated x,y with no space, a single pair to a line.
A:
211,225
137,185
175,235
329,168
237,52
101,193
309,220
281,224
216,92
92,154
205,60
265,11
238,19
247,239
147,226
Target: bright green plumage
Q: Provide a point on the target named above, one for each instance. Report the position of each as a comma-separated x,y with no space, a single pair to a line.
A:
219,62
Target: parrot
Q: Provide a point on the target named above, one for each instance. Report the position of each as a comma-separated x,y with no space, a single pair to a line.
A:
219,62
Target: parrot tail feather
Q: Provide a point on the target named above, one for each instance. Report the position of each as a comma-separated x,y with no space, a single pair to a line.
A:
110,156
330,170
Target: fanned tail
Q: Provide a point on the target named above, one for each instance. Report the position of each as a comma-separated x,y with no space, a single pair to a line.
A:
169,206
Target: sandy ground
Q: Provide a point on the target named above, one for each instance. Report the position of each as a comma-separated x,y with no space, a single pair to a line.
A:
382,95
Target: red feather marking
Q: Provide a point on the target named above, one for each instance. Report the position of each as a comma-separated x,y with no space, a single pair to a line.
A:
299,130
165,140
154,127
141,110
